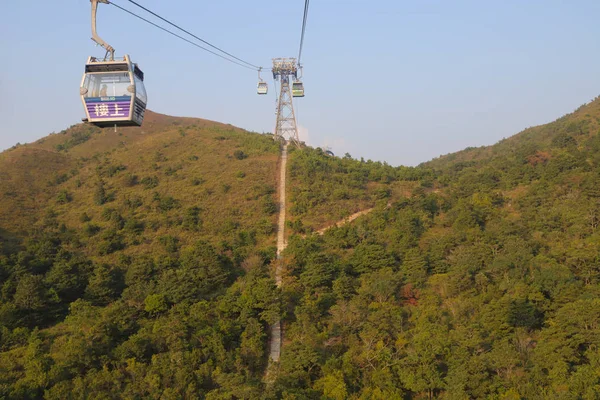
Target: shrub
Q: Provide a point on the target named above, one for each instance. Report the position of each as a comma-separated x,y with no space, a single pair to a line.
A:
150,182
172,170
112,242
64,197
112,170
269,206
58,179
130,180
171,243
191,220
100,196
239,154
134,226
133,202
383,193
167,203
91,229
265,227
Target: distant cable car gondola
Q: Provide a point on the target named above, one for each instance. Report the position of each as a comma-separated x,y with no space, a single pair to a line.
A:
297,89
262,87
112,91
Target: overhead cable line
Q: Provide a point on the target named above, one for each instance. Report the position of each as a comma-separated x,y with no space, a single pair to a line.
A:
181,37
303,29
192,35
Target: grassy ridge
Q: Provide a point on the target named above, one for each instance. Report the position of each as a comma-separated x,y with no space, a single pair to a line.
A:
156,176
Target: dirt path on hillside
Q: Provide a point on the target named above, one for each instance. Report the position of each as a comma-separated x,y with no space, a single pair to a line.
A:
281,242
275,330
275,342
349,219
345,221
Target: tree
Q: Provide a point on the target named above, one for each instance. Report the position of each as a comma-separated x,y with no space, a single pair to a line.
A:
297,366
69,278
202,272
31,295
414,267
37,363
100,196
333,386
105,285
524,314
191,220
155,304
252,347
370,257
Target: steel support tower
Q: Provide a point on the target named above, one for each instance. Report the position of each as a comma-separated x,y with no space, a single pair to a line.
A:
285,128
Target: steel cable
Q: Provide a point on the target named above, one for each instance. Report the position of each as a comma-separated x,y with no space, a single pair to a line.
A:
248,65
303,29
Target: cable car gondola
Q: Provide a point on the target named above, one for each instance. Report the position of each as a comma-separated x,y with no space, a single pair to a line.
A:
297,89
262,88
112,91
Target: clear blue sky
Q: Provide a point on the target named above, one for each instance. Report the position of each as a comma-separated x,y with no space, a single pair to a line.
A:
395,80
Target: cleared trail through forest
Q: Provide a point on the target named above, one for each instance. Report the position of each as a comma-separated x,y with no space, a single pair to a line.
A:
345,221
275,331
348,219
275,343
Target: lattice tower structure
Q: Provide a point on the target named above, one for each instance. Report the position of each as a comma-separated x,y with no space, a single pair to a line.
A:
285,127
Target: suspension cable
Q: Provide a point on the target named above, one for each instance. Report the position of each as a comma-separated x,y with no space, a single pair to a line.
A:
192,35
303,29
180,37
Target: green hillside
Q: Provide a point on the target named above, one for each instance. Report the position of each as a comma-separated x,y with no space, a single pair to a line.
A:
181,177
140,257
138,264
531,146
482,282
326,189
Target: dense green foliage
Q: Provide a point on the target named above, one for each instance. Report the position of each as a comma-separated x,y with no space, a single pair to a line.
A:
144,270
483,282
324,189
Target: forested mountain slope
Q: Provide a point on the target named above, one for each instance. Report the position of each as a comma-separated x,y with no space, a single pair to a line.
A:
136,264
482,282
325,189
532,144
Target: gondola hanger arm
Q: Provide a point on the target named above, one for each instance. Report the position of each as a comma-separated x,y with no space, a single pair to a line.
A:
109,49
